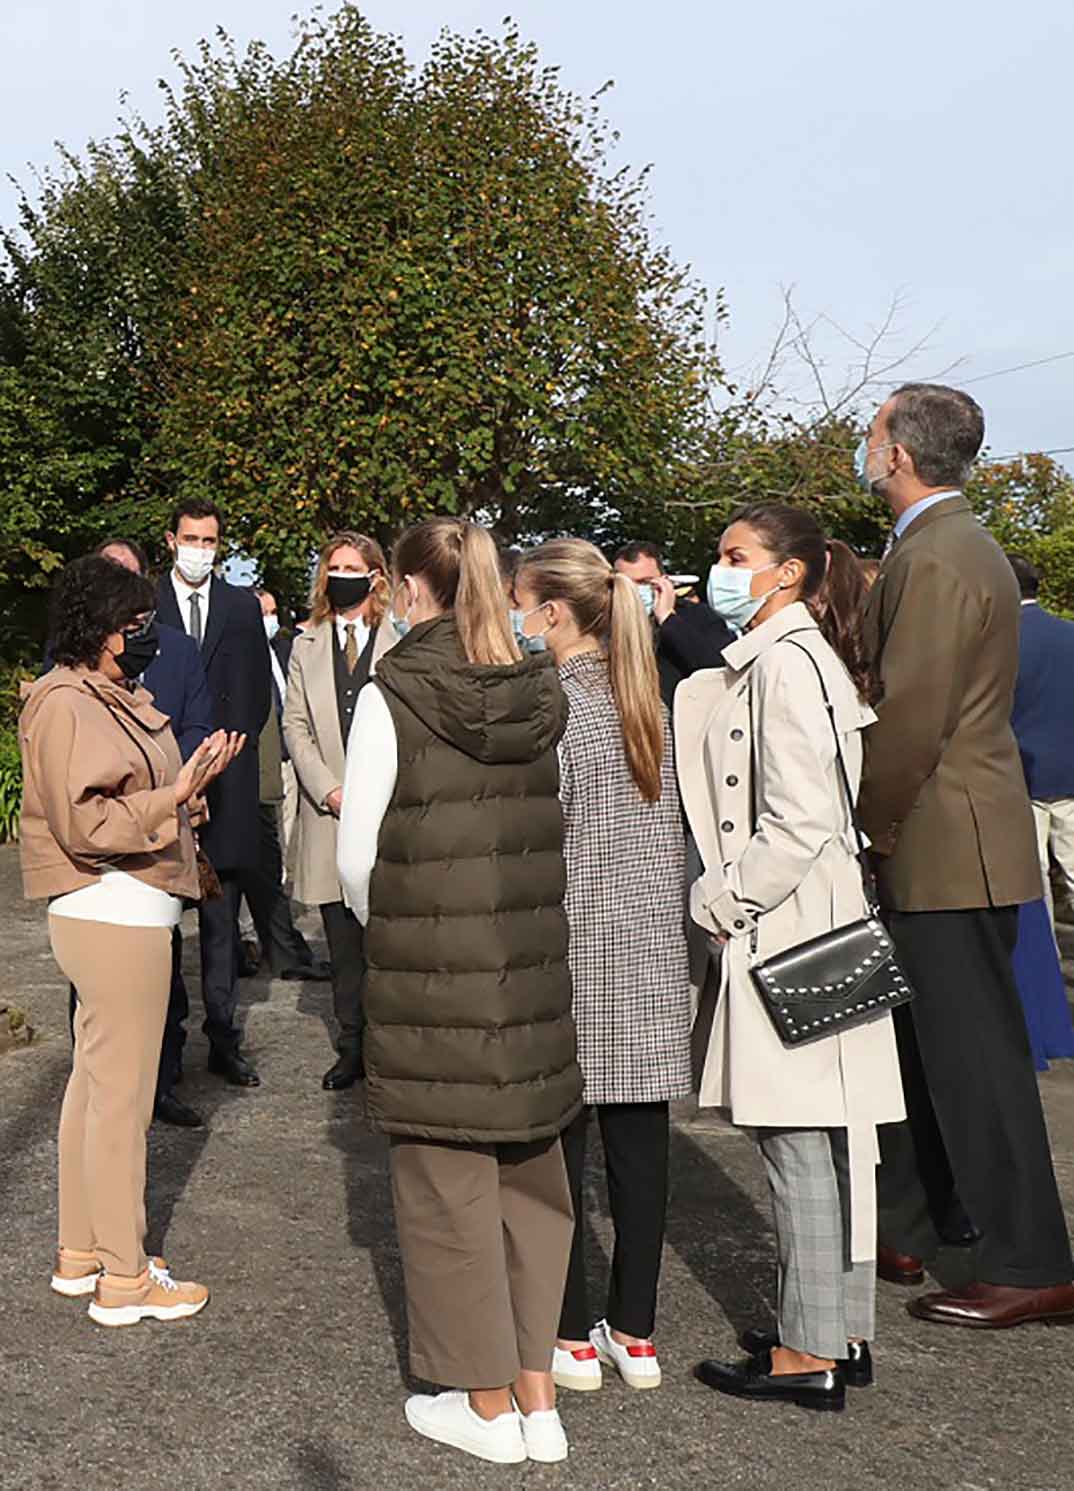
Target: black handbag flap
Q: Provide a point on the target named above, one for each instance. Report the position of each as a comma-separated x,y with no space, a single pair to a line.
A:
827,968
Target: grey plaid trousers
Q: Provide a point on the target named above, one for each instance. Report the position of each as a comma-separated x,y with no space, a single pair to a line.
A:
824,1299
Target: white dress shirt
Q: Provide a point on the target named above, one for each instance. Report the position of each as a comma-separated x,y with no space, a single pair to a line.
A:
183,592
361,632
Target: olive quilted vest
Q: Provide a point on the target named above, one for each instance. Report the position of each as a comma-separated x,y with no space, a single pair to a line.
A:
469,1034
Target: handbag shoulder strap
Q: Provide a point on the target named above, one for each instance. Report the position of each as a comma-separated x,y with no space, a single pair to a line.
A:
868,879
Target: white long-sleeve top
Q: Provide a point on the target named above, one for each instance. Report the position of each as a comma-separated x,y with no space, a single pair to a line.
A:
369,780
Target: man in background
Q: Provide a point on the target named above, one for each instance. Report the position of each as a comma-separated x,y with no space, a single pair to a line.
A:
688,634
1043,720
225,622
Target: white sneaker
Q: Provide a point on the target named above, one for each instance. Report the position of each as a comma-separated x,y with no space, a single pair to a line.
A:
449,1419
578,1369
543,1436
636,1365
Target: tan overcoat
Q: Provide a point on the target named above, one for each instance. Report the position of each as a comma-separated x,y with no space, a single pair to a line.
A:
757,770
315,743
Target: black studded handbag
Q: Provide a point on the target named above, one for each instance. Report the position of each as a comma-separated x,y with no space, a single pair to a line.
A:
845,977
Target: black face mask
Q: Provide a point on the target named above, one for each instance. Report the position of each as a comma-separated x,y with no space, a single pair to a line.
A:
347,591
139,650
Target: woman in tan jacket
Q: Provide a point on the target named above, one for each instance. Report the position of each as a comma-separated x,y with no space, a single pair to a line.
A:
759,778
106,834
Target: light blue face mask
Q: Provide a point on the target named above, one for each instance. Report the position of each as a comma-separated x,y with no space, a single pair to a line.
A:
728,594
648,598
527,644
402,624
861,462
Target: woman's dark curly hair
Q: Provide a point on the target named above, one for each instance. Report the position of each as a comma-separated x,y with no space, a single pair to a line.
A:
94,598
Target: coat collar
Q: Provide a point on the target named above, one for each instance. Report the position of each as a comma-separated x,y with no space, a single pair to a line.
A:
317,643
946,507
751,645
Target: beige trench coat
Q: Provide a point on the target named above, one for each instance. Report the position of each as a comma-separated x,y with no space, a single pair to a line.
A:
756,761
315,743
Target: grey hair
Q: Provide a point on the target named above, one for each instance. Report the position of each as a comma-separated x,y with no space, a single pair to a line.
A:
942,428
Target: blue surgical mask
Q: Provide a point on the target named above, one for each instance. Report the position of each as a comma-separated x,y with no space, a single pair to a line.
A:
861,462
402,624
729,595
648,598
527,644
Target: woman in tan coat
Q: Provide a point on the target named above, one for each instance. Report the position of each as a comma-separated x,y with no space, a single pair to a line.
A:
331,660
756,758
106,836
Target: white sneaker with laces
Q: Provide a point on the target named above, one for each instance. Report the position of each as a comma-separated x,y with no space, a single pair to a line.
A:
543,1435
577,1369
449,1419
637,1365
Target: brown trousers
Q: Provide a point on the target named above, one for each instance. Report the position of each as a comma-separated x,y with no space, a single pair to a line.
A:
122,975
485,1233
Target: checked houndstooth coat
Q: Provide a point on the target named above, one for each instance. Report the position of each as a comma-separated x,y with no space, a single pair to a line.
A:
625,867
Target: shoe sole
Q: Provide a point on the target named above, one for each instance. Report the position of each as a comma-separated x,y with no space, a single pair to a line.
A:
460,1441
815,1405
72,1288
639,1384
991,1325
132,1314
546,1457
577,1384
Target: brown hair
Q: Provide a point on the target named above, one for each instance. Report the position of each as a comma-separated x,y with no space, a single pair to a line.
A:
607,605
461,566
870,568
373,554
834,587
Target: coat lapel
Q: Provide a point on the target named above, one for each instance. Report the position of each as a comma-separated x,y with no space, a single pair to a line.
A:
219,605
319,670
167,605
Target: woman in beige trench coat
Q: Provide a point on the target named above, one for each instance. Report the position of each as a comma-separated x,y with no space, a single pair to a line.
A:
756,761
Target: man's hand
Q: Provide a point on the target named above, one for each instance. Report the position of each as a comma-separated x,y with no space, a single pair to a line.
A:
663,599
334,801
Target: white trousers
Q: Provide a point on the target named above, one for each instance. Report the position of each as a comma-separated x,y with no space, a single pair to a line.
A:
1055,839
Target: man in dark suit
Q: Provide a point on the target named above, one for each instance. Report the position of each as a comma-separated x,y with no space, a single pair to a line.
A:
687,633
1043,721
225,622
944,803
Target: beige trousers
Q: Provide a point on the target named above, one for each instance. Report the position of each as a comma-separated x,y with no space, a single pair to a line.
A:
122,975
485,1233
1055,840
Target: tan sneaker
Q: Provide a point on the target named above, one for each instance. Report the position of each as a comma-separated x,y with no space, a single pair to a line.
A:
153,1295
75,1272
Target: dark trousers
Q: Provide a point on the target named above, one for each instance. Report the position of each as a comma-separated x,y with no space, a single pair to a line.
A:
635,1139
974,1126
345,936
171,1049
282,944
219,962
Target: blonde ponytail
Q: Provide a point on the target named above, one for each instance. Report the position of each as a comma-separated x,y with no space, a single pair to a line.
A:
607,605
461,566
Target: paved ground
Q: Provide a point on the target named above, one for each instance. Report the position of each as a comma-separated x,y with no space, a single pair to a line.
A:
293,1377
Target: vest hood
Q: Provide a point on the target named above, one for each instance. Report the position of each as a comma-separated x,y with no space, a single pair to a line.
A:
492,713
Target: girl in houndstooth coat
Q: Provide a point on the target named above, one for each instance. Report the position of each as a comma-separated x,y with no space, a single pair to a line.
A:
624,847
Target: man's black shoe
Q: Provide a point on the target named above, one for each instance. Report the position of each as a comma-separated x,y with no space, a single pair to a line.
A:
317,972
347,1071
857,1365
753,1378
168,1109
233,1067
249,959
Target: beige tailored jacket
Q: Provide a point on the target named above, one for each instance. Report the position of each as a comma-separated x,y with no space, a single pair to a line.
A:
315,743
757,770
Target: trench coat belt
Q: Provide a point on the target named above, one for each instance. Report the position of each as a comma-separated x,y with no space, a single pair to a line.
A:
863,1150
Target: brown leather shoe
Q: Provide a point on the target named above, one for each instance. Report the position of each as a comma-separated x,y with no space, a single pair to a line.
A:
898,1268
995,1306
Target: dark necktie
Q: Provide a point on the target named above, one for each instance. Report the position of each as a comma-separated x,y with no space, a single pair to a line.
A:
350,649
195,617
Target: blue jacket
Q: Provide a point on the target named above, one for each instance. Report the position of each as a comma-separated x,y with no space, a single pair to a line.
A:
180,689
1043,716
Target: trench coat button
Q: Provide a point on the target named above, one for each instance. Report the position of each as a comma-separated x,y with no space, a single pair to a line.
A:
732,781
739,925
736,734
727,826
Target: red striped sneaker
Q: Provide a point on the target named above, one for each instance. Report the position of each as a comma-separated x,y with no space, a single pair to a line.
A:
636,1364
577,1370
75,1272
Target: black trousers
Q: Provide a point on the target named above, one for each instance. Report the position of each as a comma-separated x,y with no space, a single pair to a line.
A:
219,962
282,944
974,1126
171,1049
635,1139
345,936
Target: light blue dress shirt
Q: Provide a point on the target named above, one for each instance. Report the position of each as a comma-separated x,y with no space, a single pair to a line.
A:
919,507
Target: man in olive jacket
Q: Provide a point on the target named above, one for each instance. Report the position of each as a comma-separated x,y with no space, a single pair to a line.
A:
944,803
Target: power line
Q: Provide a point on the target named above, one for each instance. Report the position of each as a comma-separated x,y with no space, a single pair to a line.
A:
1018,368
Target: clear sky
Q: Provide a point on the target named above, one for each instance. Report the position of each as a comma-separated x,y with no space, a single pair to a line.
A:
852,149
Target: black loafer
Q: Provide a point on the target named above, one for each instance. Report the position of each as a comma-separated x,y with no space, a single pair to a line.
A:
754,1379
318,972
233,1068
168,1109
857,1365
347,1071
